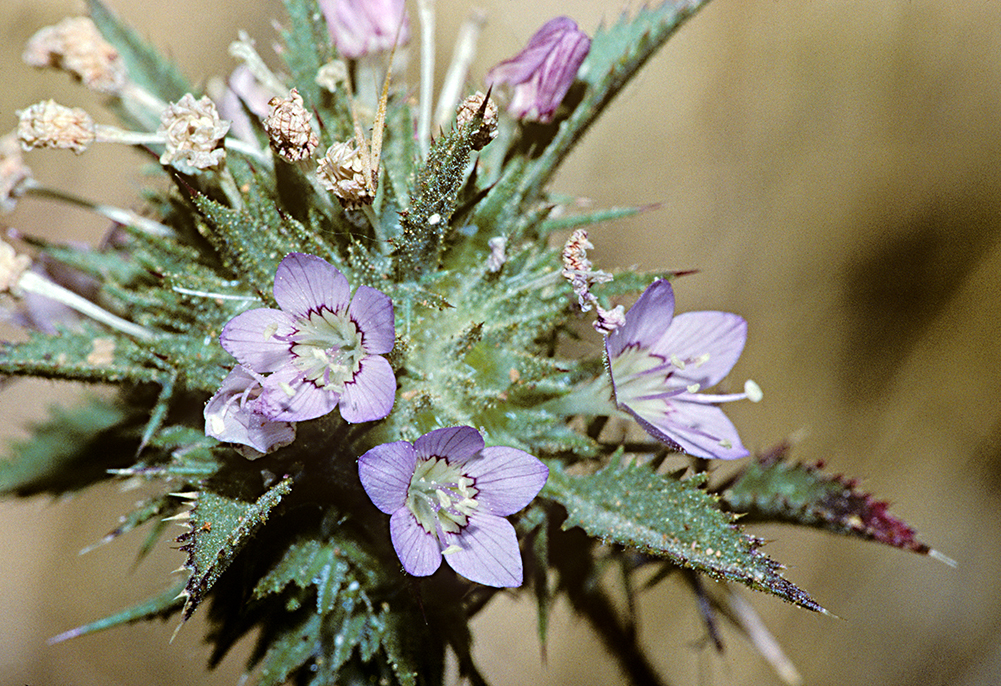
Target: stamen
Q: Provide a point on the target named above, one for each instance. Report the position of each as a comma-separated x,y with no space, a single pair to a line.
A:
753,391
677,362
693,388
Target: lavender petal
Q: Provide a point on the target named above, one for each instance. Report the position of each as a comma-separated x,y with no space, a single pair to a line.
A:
457,443
255,339
487,552
304,283
372,392
507,479
718,335
385,473
372,311
418,550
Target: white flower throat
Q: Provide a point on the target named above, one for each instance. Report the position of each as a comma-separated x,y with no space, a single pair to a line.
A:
440,495
327,348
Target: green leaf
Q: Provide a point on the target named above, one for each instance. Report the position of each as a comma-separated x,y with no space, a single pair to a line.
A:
220,527
163,605
146,67
73,449
771,489
90,354
631,505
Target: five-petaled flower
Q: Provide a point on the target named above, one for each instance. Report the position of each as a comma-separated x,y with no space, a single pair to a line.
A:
322,349
659,362
231,415
543,72
448,496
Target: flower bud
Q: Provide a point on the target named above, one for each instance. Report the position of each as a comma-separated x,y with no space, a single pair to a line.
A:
543,72
362,27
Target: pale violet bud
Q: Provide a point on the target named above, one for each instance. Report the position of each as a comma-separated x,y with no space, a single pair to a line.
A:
543,72
497,257
363,27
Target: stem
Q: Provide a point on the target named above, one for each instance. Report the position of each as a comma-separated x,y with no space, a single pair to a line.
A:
34,283
115,214
425,10
462,56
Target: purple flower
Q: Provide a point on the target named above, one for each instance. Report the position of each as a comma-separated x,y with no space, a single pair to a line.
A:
322,349
448,496
658,363
231,416
361,27
543,72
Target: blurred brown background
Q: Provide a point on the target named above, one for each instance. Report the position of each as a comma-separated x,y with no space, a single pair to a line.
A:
832,168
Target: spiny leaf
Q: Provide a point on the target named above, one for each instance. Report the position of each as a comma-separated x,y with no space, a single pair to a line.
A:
631,505
146,67
163,605
433,200
576,221
69,451
144,511
220,527
772,489
90,354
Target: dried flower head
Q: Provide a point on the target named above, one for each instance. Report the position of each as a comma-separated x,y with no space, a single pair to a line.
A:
577,268
289,128
12,266
194,133
342,172
331,75
76,46
13,171
472,106
48,124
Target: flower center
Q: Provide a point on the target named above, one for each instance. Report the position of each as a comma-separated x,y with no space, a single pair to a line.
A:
440,495
327,348
640,375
